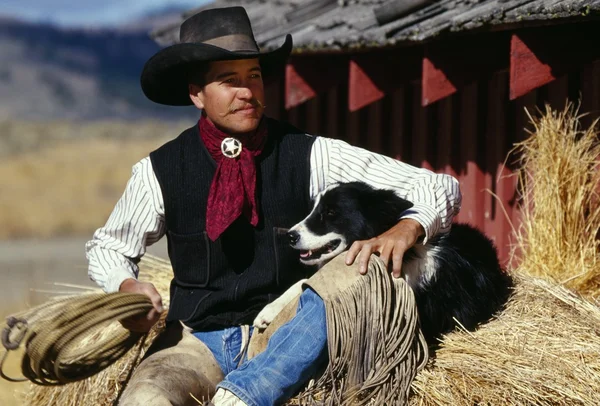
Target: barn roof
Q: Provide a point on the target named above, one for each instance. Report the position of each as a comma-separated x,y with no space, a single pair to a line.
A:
325,25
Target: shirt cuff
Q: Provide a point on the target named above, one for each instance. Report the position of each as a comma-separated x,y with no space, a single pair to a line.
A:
425,215
116,278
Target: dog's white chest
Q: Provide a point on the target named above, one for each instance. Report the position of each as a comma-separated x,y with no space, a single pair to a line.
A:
420,269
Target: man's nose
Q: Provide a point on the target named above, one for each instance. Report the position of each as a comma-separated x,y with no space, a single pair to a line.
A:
244,93
293,237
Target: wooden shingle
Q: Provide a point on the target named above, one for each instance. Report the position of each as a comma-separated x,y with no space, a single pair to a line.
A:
324,25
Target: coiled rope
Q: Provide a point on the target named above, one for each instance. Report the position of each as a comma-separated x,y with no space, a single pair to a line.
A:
57,337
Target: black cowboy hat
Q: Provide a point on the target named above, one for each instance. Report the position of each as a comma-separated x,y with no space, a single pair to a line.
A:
210,35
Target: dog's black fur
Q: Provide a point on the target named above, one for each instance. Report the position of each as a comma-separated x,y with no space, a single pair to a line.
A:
468,283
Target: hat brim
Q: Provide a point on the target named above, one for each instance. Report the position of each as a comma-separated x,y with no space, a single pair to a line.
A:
164,77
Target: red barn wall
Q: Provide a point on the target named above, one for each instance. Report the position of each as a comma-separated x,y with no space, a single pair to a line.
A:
468,134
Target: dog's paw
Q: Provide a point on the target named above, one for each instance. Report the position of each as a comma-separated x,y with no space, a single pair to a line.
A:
266,316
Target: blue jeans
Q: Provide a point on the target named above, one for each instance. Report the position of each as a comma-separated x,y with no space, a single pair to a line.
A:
294,354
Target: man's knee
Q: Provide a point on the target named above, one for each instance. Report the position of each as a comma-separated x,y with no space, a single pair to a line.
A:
171,374
309,298
312,309
145,394
168,380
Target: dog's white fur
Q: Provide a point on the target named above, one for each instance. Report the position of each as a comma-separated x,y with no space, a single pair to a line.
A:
270,311
422,269
308,241
418,270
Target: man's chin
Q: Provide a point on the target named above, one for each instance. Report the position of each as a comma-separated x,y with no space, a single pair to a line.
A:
244,124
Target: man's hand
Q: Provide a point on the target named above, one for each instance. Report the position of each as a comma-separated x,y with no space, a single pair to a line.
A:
142,324
391,244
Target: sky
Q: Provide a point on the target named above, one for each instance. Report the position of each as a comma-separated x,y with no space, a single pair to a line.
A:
87,12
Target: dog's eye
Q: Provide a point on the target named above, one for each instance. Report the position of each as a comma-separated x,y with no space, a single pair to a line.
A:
331,213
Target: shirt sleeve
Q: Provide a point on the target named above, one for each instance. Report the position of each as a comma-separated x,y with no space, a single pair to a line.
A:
436,197
136,222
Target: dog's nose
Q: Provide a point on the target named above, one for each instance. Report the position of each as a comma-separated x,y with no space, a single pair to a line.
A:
294,237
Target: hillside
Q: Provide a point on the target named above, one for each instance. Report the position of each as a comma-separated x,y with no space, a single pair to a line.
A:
57,73
61,178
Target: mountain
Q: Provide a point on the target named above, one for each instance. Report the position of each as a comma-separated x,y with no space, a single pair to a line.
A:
47,72
154,17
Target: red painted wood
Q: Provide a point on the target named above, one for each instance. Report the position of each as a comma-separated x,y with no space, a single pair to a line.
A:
397,122
436,84
375,117
307,76
297,89
590,92
447,147
421,135
274,98
558,92
498,208
372,75
527,71
540,55
448,66
471,177
362,91
332,118
314,112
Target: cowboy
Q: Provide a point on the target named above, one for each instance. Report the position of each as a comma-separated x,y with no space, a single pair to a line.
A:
224,192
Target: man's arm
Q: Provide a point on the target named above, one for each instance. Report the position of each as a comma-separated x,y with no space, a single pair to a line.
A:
436,197
136,222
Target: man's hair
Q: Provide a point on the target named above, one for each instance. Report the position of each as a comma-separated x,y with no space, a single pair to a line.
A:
196,73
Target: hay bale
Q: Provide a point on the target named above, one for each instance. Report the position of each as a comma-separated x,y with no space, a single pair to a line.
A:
543,349
105,388
559,178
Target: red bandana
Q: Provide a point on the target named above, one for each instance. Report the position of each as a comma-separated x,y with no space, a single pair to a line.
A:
233,188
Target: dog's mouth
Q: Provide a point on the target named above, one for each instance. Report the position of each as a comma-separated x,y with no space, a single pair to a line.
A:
317,253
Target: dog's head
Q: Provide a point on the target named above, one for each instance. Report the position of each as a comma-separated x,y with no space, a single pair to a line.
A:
342,214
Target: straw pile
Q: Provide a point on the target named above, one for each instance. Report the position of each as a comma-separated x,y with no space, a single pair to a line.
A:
559,178
106,387
544,349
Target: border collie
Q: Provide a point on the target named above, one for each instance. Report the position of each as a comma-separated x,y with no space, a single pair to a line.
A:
455,275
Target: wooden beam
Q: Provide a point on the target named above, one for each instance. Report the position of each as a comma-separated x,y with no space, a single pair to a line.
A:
539,56
374,74
308,76
449,65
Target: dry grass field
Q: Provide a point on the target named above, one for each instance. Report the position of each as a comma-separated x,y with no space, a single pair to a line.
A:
60,179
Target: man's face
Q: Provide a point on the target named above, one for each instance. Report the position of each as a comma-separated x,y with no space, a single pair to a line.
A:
233,95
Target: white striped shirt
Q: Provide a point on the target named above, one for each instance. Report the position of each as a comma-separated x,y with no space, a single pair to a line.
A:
137,220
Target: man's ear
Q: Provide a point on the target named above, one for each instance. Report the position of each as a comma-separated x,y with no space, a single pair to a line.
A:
196,95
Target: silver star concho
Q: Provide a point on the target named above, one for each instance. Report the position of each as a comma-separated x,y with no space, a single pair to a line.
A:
231,147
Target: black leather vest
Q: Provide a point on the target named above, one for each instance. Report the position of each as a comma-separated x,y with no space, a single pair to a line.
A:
227,282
